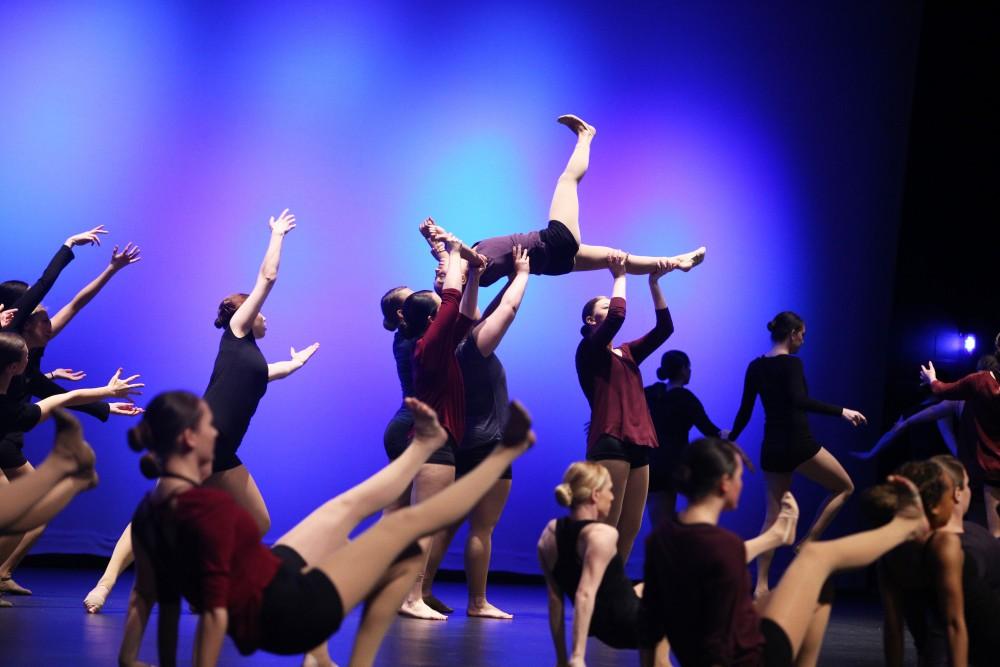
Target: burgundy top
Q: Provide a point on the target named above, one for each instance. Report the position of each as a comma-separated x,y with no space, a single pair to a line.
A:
981,393
697,594
437,377
612,383
211,550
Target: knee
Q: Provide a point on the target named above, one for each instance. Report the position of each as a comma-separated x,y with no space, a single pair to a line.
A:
813,551
846,489
264,523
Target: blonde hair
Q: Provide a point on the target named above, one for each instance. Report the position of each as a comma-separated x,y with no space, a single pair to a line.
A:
580,481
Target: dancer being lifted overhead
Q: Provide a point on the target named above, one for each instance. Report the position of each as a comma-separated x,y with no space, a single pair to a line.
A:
558,249
238,382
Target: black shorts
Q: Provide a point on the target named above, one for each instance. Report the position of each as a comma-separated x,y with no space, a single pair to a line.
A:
777,647
467,458
609,447
225,455
11,451
394,446
300,610
551,252
787,455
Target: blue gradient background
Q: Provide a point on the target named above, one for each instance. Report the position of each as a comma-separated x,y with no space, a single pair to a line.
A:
774,135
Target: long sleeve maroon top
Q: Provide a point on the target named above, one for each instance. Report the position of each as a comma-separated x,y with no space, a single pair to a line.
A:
981,393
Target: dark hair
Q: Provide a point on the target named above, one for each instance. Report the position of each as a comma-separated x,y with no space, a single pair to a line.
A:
671,364
883,500
11,291
12,348
704,462
588,311
783,324
952,467
228,308
166,417
391,302
416,309
987,362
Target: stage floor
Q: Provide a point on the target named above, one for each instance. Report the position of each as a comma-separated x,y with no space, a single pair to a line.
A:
51,628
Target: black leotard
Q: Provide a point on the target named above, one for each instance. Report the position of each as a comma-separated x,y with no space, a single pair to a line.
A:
238,382
981,587
781,383
397,431
616,606
674,412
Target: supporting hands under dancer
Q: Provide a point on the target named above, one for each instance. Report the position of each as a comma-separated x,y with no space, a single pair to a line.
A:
435,234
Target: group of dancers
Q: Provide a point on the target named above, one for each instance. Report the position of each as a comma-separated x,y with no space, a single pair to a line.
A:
197,534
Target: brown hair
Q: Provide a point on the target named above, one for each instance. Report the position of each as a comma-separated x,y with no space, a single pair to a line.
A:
392,301
228,308
167,416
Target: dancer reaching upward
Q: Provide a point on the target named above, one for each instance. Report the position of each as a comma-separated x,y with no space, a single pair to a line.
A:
621,432
788,445
558,248
196,542
238,382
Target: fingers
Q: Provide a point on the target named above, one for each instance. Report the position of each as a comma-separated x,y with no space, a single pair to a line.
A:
114,378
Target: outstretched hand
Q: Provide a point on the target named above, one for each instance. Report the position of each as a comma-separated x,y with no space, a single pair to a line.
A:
128,255
67,374
283,224
123,388
125,409
91,237
303,355
853,416
521,262
616,263
927,373
6,316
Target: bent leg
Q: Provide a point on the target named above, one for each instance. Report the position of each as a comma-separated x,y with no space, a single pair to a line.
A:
826,470
18,496
479,548
240,484
121,558
777,484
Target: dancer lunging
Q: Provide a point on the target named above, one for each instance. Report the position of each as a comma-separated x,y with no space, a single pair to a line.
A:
789,446
621,432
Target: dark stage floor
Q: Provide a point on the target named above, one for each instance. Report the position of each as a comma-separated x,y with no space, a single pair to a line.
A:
51,628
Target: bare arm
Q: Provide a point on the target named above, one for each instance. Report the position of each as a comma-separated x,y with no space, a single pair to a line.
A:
116,387
282,369
491,328
140,604
601,547
209,635
470,296
242,320
947,550
557,615
892,627
129,255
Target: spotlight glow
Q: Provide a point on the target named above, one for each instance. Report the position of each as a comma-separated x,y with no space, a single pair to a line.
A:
970,344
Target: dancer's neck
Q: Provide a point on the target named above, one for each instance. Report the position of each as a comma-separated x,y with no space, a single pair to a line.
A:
586,512
703,511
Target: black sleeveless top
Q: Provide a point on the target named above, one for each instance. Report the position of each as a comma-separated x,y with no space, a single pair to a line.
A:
238,382
616,606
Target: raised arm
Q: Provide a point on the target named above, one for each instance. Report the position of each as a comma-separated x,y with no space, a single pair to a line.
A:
750,390
242,320
27,302
605,332
119,260
470,296
116,388
434,234
490,330
963,390
282,369
601,548
664,327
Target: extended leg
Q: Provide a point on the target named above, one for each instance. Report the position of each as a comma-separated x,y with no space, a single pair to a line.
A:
777,485
565,206
121,558
595,258
479,547
826,470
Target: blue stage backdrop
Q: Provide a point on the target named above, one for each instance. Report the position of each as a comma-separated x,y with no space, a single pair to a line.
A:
775,135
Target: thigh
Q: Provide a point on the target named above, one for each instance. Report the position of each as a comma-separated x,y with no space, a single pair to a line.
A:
240,484
18,472
825,470
619,471
486,513
11,456
777,484
430,479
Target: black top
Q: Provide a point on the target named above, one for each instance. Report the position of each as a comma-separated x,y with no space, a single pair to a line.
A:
981,588
486,401
16,416
674,412
781,383
616,606
28,301
238,382
402,352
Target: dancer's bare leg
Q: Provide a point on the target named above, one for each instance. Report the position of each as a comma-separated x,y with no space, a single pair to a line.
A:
991,496
121,558
781,532
793,602
240,484
479,547
431,479
595,258
778,485
381,609
565,206
826,470
633,506
439,547
812,643
619,471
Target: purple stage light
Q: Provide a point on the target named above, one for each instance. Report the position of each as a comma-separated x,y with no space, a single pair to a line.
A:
970,343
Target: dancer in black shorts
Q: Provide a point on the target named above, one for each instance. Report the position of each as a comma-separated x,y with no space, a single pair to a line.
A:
788,444
397,431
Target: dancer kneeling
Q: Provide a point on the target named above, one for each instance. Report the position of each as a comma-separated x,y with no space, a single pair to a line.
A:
697,586
580,560
197,542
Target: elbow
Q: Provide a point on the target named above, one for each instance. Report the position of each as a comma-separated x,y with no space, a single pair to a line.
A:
269,275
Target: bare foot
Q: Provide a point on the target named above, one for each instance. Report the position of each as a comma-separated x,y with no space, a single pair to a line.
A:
419,609
486,610
578,125
517,432
426,427
70,445
11,587
788,518
760,595
96,598
688,260
437,605
5,603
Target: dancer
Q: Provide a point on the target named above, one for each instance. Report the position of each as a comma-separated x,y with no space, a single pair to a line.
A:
485,414
397,431
580,561
197,542
436,325
788,446
557,249
697,586
238,382
981,392
621,433
674,409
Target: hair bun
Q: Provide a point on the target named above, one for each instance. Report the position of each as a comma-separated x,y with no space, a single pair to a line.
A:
139,436
149,466
390,325
770,325
661,374
564,494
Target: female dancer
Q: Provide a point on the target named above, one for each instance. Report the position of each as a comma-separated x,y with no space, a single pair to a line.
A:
557,249
981,392
397,432
788,444
238,382
195,541
436,325
621,432
697,586
674,410
485,414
